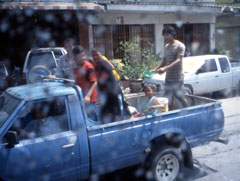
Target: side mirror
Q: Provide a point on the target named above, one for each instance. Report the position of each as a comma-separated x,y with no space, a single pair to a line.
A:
11,138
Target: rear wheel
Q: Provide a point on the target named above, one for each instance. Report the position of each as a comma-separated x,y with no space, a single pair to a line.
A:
238,89
166,164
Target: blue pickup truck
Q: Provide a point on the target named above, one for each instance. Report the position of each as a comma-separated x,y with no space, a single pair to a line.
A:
45,134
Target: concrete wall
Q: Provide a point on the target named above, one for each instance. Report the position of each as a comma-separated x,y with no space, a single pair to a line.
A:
228,39
228,34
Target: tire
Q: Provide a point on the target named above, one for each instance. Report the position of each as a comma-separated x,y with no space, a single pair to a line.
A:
35,73
238,89
187,90
166,163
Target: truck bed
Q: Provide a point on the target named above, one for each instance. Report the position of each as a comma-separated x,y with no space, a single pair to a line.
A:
126,140
235,62
139,101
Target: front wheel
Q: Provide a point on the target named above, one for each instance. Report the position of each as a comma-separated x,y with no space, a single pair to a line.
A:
187,90
167,164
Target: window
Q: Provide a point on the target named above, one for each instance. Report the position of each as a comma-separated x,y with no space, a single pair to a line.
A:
3,71
57,53
42,118
108,37
42,58
7,105
209,66
224,65
191,33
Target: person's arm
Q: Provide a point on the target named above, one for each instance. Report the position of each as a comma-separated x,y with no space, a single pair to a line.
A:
180,55
159,66
106,66
170,66
108,61
87,97
92,78
156,104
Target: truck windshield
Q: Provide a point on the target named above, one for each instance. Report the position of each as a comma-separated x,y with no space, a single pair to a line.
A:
192,65
7,105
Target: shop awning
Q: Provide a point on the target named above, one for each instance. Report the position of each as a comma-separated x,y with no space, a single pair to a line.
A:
50,5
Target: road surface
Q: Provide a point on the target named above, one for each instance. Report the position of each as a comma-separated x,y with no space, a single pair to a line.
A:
217,161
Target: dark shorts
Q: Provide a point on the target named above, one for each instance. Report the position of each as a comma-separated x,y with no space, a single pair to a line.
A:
174,88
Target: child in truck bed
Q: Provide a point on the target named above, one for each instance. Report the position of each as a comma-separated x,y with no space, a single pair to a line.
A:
154,105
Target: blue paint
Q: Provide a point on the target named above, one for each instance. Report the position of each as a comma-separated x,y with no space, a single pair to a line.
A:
98,149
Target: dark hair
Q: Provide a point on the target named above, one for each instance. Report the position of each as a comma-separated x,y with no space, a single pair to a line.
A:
153,87
95,50
170,30
68,40
77,50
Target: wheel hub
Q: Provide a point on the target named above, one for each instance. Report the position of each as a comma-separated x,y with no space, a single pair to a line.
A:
167,168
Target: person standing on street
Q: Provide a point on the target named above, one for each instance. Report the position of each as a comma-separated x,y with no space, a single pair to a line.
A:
172,65
66,63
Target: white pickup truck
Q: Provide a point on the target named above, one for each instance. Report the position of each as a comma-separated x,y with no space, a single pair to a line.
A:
41,61
206,74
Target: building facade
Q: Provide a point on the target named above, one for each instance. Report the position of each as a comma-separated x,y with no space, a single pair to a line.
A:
228,34
194,23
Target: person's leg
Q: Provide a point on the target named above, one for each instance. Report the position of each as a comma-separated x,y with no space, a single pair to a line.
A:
91,110
169,94
126,111
184,102
110,109
171,102
180,94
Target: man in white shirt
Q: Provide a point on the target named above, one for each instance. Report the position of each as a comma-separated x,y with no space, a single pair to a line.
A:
66,63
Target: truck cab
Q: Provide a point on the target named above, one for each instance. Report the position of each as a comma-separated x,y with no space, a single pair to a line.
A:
48,139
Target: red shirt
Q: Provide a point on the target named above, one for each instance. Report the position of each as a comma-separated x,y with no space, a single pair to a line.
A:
84,76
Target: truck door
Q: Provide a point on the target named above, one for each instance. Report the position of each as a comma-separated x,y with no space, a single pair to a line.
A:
46,144
115,146
82,164
206,77
226,74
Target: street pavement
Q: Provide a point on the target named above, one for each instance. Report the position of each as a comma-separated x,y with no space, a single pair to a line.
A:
216,161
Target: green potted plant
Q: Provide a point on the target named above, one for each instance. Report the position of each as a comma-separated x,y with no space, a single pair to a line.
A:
135,62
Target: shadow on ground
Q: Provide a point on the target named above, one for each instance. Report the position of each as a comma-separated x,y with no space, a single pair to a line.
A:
200,170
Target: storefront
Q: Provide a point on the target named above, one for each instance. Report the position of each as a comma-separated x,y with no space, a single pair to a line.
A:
26,25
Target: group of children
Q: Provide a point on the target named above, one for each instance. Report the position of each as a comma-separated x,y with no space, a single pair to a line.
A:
100,88
98,80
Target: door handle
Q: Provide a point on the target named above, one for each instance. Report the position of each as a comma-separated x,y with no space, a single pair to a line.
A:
68,146
217,76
